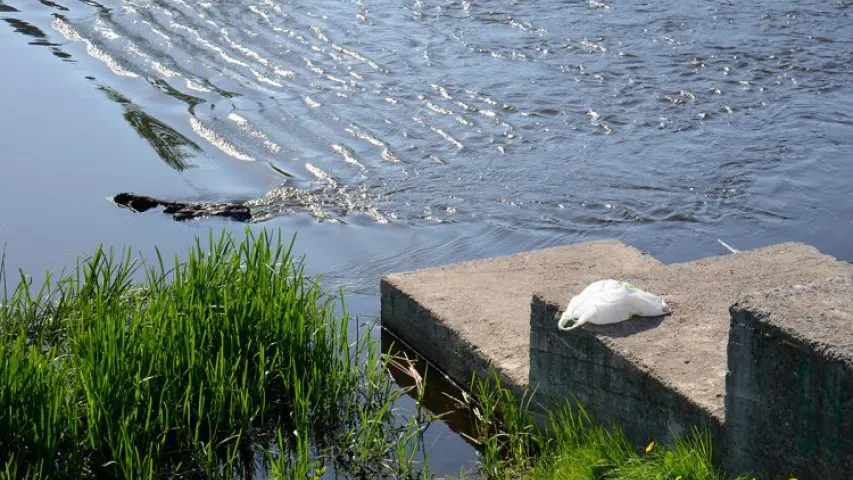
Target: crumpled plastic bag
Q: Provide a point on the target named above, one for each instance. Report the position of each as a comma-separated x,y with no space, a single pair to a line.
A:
610,301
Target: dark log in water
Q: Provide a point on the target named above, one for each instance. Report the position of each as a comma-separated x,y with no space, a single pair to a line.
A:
183,210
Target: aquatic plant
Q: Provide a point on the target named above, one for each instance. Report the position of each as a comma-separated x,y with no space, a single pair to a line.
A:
568,443
218,365
231,363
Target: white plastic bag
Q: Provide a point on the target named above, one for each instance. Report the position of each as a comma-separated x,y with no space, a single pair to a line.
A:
611,301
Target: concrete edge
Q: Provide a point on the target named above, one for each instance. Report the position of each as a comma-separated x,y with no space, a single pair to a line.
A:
752,310
523,253
451,353
669,395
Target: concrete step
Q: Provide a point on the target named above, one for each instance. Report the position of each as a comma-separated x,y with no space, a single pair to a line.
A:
473,316
655,377
789,398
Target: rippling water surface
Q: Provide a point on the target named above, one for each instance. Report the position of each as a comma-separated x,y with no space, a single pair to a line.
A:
585,118
422,132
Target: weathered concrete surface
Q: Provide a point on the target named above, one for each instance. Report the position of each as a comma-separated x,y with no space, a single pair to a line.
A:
467,318
661,376
615,384
652,376
789,406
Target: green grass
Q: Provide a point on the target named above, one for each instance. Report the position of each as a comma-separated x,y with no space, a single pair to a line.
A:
210,367
230,363
573,445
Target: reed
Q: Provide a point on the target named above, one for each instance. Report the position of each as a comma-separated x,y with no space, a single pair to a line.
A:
216,365
231,363
572,445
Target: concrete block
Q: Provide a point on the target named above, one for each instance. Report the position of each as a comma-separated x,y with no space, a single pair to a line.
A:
611,382
654,377
789,403
676,363
475,316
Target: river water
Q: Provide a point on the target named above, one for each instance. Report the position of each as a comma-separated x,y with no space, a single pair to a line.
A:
399,135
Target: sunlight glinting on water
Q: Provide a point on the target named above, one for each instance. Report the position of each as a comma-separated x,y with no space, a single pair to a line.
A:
71,34
485,128
247,127
348,155
197,87
448,137
320,174
217,141
311,102
493,108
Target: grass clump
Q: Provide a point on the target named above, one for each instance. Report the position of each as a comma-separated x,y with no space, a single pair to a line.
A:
231,363
213,367
573,445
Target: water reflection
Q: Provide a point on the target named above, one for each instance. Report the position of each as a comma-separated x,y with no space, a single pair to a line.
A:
174,148
25,28
164,87
57,6
441,396
443,399
30,30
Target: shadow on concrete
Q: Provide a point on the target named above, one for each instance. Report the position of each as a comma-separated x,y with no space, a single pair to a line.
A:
628,327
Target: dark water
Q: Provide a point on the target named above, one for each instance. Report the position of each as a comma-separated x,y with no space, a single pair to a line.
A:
426,132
